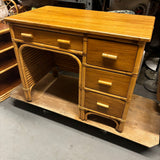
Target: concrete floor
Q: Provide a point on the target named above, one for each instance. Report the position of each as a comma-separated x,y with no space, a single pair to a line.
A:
31,133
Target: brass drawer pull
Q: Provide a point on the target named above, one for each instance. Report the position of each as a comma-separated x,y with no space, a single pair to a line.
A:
103,105
109,56
105,83
62,41
27,35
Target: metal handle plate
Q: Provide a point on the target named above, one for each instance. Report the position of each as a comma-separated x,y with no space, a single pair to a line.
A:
109,56
105,83
102,105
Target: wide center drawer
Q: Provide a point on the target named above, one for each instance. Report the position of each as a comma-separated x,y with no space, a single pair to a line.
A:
104,104
57,39
112,55
108,82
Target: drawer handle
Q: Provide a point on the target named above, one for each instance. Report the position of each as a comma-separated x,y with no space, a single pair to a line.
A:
103,105
62,41
105,83
27,35
109,56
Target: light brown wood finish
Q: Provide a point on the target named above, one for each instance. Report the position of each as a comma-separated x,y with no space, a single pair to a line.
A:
125,53
106,47
49,38
9,77
138,63
118,83
91,22
115,106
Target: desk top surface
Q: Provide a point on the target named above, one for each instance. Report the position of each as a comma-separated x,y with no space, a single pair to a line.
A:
133,27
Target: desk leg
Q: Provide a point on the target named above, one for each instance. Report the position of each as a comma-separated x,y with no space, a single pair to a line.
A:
120,127
27,93
82,114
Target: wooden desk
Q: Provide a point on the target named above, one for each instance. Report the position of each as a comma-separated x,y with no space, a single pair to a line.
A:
108,48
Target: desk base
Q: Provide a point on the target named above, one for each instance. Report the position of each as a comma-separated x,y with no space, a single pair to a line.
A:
143,120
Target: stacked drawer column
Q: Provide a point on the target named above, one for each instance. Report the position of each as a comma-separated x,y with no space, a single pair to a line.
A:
110,71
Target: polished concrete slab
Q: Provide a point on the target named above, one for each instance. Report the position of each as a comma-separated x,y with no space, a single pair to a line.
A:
31,133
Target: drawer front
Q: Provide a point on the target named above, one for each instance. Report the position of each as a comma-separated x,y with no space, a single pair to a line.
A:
104,104
112,55
108,82
64,41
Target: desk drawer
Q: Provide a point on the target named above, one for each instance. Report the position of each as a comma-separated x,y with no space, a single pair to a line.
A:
108,82
61,40
113,55
104,104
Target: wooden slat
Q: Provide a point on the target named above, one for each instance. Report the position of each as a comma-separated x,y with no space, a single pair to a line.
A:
7,65
5,96
9,81
36,64
9,86
5,46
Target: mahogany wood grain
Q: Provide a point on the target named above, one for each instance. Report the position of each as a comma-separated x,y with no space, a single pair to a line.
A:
125,26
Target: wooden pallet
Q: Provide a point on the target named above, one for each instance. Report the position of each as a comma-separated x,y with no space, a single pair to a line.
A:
143,120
